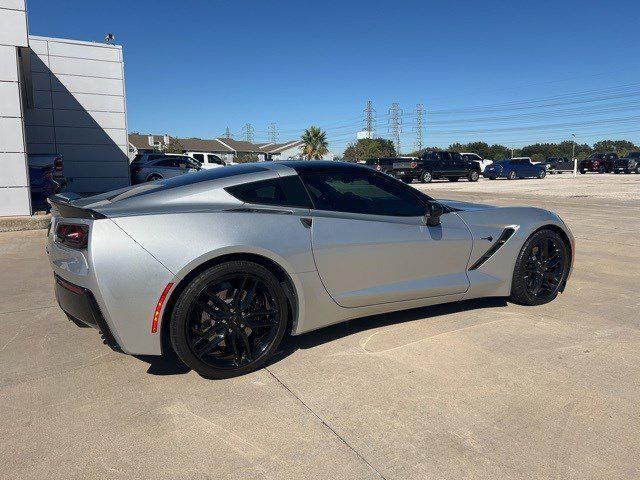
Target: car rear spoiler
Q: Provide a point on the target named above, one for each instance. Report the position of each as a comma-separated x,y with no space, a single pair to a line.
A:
61,205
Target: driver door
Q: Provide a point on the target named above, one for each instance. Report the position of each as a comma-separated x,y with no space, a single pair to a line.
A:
371,245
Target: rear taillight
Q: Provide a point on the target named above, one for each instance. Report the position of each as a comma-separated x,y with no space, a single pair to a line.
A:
378,167
73,236
57,164
414,164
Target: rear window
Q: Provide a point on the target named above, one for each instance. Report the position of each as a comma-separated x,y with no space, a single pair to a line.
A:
285,192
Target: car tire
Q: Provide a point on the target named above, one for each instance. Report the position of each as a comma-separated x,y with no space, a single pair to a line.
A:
241,343
601,169
426,177
529,271
473,176
453,179
153,177
542,174
511,175
582,171
638,169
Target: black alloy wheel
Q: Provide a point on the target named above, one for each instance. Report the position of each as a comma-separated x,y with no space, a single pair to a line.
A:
601,169
541,268
229,320
511,175
542,174
426,177
638,169
473,176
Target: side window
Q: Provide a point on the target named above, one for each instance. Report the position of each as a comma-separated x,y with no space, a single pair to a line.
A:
168,162
199,157
446,156
285,192
364,193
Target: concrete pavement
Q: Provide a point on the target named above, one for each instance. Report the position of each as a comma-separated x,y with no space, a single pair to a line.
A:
479,390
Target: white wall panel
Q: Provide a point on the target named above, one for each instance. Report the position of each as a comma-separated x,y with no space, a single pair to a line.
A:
10,100
84,136
81,66
38,116
76,84
88,101
79,50
39,62
11,139
13,4
38,46
14,201
80,118
13,28
8,63
13,168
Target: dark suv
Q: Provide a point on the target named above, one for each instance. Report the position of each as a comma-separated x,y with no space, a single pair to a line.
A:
558,164
628,164
431,165
381,164
599,162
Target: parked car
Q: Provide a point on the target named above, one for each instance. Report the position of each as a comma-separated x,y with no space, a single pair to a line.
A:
513,168
598,162
558,165
53,160
474,157
433,165
42,185
383,165
281,247
207,160
628,164
166,166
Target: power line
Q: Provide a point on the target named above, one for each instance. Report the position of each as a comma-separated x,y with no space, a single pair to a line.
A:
395,124
273,133
369,119
419,125
247,131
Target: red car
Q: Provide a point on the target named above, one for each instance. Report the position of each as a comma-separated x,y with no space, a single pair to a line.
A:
599,162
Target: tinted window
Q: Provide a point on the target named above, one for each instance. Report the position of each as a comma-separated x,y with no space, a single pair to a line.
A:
365,193
167,162
286,192
199,157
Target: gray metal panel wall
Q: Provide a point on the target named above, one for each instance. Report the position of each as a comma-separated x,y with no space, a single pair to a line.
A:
14,179
80,111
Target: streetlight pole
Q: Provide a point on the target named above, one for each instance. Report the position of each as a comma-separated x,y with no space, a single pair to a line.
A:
573,155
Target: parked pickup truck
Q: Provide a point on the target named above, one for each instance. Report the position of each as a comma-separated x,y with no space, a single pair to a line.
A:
558,164
432,165
628,164
598,162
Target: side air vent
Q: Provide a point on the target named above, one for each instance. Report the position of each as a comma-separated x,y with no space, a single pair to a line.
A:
506,235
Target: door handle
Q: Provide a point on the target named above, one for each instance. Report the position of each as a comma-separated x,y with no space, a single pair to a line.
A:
306,222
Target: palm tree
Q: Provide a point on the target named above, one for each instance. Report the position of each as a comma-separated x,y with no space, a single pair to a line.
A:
314,143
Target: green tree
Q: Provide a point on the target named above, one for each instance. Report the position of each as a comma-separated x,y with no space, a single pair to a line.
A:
621,147
366,148
314,143
174,146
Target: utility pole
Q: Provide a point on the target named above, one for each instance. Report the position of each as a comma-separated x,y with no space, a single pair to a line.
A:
395,124
227,133
573,156
273,133
247,131
419,125
369,118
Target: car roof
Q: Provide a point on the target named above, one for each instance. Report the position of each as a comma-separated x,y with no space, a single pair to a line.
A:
322,166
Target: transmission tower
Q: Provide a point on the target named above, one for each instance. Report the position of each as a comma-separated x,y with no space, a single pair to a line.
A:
247,132
369,118
419,125
273,133
227,133
395,124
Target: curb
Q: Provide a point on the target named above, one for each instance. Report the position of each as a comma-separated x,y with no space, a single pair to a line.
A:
16,224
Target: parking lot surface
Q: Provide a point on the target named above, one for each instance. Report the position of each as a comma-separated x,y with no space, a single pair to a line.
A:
478,390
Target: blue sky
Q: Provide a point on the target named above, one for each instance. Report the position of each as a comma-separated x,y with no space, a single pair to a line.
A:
512,72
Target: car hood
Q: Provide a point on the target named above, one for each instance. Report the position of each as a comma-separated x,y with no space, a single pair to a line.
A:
465,206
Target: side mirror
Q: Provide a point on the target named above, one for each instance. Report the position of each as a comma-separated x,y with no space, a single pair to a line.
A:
433,214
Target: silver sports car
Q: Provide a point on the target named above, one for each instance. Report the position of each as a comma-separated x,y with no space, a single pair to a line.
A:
219,265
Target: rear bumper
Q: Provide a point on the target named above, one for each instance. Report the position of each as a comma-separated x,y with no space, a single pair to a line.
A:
78,302
405,173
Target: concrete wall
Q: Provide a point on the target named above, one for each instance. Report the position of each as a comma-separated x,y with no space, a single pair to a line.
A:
14,182
79,110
